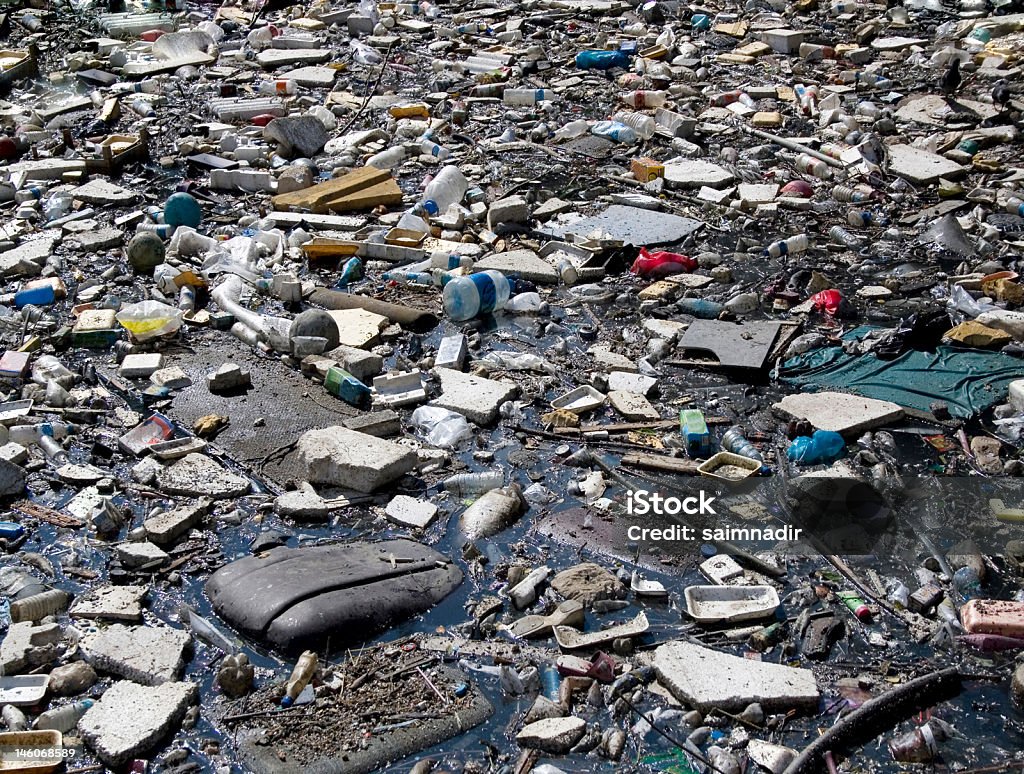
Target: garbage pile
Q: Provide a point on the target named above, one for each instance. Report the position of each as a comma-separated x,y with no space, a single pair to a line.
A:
564,384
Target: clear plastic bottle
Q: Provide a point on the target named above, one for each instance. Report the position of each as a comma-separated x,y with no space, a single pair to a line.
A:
615,131
63,719
142,107
430,148
643,125
389,158
1015,205
736,442
303,672
38,606
473,484
841,236
641,98
790,246
573,129
442,260
32,193
812,166
856,194
408,277
26,435
145,86
521,97
898,593
447,188
278,86
467,297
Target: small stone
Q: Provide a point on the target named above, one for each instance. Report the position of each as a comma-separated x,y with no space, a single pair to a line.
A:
141,555
303,503
173,378
586,583
228,377
71,679
235,676
552,735
410,512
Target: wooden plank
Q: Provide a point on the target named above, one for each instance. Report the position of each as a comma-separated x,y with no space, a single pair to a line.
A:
387,192
658,462
316,197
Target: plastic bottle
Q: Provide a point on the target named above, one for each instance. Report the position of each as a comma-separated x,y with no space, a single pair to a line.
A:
551,681
567,272
573,129
63,719
521,97
789,246
842,193
841,236
26,435
14,718
351,272
822,446
278,86
642,98
447,188
615,131
898,593
473,484
409,277
344,385
812,166
728,97
387,158
695,433
1015,206
53,450
644,125
920,745
430,148
594,59
466,297
856,605
700,308
865,218
737,443
967,583
38,606
442,260
32,193
39,295
142,107
303,672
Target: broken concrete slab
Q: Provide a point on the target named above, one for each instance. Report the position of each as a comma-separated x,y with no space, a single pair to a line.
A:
94,241
165,528
303,503
840,412
196,475
409,511
312,77
361,364
141,555
555,736
920,166
633,225
611,361
28,257
111,603
694,173
624,381
26,645
357,327
353,460
150,655
100,191
272,58
228,377
520,263
130,719
293,597
633,406
707,679
475,397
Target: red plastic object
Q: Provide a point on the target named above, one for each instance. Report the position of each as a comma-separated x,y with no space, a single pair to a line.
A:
8,148
661,263
827,301
800,189
262,119
600,668
151,35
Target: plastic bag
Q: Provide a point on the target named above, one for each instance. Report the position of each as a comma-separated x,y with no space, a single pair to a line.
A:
518,361
661,263
443,428
148,320
822,446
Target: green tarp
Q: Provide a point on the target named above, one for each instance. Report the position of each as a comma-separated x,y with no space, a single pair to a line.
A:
968,380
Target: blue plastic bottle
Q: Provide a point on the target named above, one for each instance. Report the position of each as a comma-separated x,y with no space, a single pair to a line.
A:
351,272
599,59
10,530
824,446
700,308
480,293
40,295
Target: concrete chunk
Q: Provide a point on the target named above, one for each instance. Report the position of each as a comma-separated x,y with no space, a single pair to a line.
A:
141,366
475,397
840,412
100,191
552,735
163,529
130,719
111,603
623,381
410,512
196,475
297,135
521,263
141,555
303,503
693,173
146,654
346,458
707,679
511,209
26,645
633,406
361,364
920,166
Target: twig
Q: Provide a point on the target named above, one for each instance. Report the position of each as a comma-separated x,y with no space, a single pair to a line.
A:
369,94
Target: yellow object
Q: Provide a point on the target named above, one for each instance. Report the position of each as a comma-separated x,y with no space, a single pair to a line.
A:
1004,514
